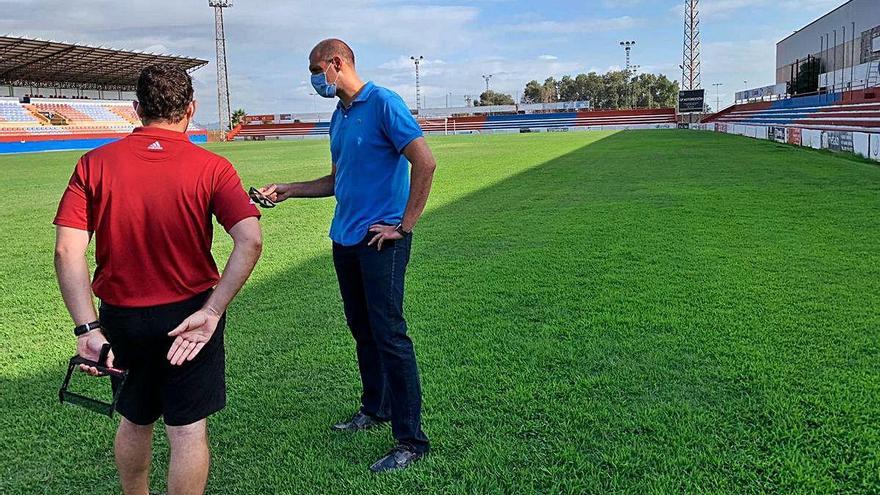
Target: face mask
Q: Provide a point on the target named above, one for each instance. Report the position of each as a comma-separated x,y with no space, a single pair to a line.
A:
322,87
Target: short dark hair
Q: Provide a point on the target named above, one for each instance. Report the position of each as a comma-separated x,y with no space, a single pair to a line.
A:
163,92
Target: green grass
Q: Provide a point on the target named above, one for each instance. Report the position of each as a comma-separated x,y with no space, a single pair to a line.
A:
639,312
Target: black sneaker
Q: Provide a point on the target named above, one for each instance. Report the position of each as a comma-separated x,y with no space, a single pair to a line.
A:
400,457
359,421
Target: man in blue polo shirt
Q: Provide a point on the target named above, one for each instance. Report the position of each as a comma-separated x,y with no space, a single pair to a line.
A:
379,198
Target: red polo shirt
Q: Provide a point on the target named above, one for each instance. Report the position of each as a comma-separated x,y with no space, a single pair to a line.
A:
149,198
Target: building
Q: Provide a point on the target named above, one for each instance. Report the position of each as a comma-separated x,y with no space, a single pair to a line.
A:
844,41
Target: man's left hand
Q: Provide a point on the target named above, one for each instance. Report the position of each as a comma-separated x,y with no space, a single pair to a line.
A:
383,233
192,335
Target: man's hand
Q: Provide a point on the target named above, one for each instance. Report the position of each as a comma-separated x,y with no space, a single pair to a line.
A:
383,233
276,192
88,346
192,335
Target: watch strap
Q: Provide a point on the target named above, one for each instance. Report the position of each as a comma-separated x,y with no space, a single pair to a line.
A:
86,328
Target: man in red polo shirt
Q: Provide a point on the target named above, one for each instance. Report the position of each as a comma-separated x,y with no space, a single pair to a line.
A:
148,199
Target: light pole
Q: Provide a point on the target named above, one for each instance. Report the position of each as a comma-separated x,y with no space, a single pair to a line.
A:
223,105
448,94
486,78
627,45
314,102
717,98
417,61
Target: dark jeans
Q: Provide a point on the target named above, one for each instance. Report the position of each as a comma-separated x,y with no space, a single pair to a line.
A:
371,283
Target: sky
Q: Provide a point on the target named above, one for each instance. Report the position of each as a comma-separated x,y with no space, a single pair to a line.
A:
268,41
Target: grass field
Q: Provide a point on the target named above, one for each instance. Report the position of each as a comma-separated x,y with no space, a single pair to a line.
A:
639,312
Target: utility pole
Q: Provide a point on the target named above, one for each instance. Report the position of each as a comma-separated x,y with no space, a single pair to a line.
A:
486,78
223,105
417,61
717,97
690,67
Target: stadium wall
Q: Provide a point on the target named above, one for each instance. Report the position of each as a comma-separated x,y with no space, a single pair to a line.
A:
662,118
864,144
31,144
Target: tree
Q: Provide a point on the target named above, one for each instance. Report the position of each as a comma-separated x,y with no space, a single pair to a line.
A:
568,89
533,92
616,84
807,80
550,91
238,116
612,90
490,97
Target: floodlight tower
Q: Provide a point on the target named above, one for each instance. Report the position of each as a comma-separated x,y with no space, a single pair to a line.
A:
627,45
717,97
690,67
486,78
223,106
417,61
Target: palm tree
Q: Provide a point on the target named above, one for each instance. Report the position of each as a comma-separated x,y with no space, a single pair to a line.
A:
237,116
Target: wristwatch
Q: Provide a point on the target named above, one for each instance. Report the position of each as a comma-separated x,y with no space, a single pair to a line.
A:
402,232
86,328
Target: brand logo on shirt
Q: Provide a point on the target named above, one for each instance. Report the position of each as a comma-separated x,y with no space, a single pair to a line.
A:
155,146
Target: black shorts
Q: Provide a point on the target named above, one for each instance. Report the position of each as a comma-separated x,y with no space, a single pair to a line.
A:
180,394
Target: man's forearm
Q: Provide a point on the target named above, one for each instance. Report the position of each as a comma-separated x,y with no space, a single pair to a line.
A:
422,176
420,188
247,247
318,188
238,268
73,280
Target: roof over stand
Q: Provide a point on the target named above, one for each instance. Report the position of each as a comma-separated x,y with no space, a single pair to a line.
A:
33,62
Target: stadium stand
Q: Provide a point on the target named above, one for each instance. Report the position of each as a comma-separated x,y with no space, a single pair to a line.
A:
12,113
839,111
35,123
613,119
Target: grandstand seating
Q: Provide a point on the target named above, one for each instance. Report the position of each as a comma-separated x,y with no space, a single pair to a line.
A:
664,117
837,111
126,112
11,112
80,118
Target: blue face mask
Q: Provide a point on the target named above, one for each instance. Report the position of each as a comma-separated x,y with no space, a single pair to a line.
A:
322,87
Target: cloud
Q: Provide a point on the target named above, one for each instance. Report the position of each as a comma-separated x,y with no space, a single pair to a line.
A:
548,57
404,62
723,9
574,26
267,42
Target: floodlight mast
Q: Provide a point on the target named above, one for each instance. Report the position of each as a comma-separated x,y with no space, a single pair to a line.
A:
627,45
223,106
417,61
690,66
486,78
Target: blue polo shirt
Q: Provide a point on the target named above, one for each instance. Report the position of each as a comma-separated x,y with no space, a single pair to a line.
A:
372,175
